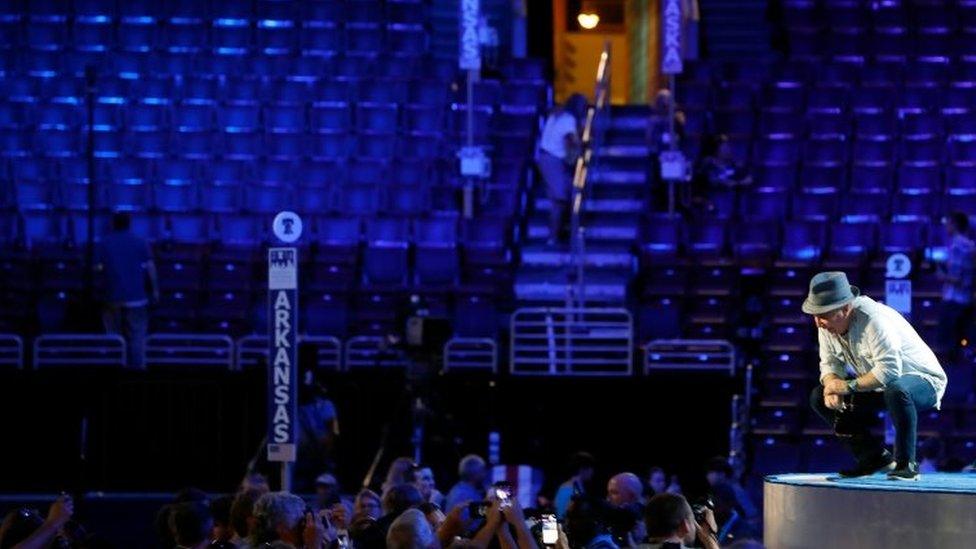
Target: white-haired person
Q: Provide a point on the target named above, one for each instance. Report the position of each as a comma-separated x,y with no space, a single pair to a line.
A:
281,516
472,472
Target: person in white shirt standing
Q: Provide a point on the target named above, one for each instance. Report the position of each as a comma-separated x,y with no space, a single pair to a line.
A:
558,149
895,370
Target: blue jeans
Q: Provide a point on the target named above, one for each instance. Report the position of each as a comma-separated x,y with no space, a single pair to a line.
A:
903,398
132,324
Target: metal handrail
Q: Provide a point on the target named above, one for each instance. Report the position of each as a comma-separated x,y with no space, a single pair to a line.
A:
690,355
571,342
253,349
11,351
208,350
471,353
592,135
79,350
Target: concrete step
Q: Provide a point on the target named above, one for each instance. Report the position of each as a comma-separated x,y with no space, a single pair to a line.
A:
626,136
553,285
622,151
613,191
604,205
623,163
619,177
630,110
597,255
597,227
538,231
628,122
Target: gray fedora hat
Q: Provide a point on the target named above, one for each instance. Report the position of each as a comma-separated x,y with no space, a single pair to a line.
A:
829,291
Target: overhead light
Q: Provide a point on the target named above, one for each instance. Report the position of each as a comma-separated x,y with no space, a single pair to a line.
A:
588,21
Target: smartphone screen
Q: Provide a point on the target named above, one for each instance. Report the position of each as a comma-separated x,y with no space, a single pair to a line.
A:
550,532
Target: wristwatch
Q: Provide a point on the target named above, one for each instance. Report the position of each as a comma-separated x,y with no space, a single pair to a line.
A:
852,385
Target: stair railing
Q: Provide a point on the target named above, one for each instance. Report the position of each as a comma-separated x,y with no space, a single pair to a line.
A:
594,126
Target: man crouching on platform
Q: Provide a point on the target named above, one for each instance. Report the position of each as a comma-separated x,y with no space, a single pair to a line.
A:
895,370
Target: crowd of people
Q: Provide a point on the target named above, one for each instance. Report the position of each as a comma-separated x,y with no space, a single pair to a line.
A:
409,512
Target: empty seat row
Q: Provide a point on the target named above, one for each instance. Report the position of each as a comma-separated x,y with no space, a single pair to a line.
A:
704,76
226,12
276,118
880,125
322,89
355,199
872,97
270,37
205,145
668,239
486,233
869,176
837,150
827,203
134,65
402,171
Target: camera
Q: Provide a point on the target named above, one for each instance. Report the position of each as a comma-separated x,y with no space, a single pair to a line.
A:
502,491
699,507
478,509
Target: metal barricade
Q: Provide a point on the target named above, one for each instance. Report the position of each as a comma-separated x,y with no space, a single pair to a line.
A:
208,350
328,351
690,355
370,352
11,351
79,350
251,351
471,353
572,342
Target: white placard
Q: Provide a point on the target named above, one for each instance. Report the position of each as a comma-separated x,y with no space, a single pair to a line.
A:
898,295
282,269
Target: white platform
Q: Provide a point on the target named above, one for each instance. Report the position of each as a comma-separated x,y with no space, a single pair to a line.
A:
817,510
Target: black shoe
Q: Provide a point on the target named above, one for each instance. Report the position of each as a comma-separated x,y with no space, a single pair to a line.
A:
871,466
906,471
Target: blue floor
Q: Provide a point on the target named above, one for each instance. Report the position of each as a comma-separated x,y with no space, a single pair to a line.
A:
945,483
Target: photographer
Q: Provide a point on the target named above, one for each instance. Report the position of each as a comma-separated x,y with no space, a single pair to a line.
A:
739,516
586,527
471,484
672,524
284,517
25,529
460,520
515,520
582,465
191,524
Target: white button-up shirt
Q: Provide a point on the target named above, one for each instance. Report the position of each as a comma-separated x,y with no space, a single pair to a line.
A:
881,341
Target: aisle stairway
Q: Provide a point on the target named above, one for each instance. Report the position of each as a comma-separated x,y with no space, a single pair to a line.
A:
615,203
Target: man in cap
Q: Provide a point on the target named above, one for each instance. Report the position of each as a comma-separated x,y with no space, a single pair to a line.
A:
326,491
895,370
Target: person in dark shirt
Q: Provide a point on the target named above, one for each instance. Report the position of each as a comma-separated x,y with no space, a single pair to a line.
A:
126,263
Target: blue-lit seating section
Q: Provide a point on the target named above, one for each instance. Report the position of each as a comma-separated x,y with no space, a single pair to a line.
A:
209,117
858,143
